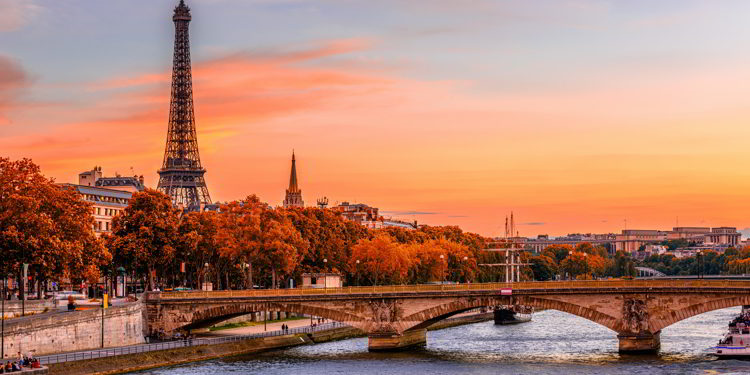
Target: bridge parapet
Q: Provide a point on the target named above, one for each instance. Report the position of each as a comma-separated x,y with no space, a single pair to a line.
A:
425,288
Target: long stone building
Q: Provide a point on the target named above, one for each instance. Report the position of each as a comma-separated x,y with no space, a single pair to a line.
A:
108,195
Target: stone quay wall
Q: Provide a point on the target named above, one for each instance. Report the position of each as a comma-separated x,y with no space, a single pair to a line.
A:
74,331
13,308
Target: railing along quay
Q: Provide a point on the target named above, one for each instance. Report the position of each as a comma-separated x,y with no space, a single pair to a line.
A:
182,343
535,285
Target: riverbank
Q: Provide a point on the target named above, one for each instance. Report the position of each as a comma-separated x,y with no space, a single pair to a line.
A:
144,361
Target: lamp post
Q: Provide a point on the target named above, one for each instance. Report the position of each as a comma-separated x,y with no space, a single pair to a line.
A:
205,272
466,259
121,271
356,270
442,268
325,273
2,318
23,289
245,266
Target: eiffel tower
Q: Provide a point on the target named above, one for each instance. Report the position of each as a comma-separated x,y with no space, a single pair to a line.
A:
181,174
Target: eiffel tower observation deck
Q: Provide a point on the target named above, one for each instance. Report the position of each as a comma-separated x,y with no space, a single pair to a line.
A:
181,174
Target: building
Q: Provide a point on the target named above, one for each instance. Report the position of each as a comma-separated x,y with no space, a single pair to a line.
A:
631,240
322,280
542,241
293,193
94,178
108,195
360,213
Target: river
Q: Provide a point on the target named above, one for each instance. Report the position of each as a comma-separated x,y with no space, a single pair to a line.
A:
553,343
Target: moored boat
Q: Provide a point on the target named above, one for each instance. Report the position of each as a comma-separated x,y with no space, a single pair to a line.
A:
736,342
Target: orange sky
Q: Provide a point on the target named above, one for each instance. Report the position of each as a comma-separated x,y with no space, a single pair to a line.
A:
647,144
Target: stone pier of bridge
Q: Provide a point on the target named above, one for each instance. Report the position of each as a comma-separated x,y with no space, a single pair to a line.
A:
396,317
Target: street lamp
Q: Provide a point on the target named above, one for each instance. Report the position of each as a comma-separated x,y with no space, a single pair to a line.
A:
205,272
325,273
2,318
245,267
356,270
442,266
465,260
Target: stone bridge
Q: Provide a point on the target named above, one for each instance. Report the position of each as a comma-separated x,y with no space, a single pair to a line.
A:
396,317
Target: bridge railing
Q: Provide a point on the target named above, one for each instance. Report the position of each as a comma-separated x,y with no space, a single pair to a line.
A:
166,345
528,285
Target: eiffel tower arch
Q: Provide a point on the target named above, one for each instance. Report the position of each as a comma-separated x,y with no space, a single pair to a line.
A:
181,174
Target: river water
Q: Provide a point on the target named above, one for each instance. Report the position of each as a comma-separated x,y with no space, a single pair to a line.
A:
553,343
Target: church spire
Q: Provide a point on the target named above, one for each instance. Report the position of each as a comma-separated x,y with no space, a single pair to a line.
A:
293,188
293,193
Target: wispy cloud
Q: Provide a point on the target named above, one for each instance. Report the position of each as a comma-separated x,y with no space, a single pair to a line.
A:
13,79
410,213
534,223
14,14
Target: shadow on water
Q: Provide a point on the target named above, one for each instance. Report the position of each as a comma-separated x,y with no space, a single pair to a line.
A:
553,343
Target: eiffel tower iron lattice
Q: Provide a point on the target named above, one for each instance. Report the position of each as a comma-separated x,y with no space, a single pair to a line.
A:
181,174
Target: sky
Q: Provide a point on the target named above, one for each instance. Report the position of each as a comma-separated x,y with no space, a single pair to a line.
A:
577,115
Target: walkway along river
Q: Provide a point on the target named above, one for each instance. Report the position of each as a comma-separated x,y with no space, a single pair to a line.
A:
553,343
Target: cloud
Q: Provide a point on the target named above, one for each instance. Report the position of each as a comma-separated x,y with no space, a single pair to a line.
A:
533,223
413,213
13,80
458,215
14,14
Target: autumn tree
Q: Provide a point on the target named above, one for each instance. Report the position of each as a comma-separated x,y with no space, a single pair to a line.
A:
381,260
45,225
146,233
198,244
543,267
280,244
240,239
557,252
329,236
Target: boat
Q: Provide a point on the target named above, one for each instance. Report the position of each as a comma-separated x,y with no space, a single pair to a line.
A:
736,342
508,316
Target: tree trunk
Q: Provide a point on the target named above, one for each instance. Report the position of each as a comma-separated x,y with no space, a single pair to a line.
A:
273,277
226,280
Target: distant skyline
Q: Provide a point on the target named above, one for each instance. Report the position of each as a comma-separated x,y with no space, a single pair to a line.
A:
576,115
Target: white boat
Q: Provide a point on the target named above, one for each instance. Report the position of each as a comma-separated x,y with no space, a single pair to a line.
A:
736,342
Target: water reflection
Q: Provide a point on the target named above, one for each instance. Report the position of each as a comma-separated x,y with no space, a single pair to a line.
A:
553,343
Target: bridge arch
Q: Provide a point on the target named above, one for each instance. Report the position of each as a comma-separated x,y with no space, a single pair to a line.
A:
694,309
431,315
205,316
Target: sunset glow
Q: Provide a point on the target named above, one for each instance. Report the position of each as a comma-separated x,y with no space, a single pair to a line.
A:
449,113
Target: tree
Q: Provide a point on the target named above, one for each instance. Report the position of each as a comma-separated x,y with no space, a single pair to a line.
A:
45,225
198,243
557,252
146,233
543,267
575,264
240,235
382,260
280,244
